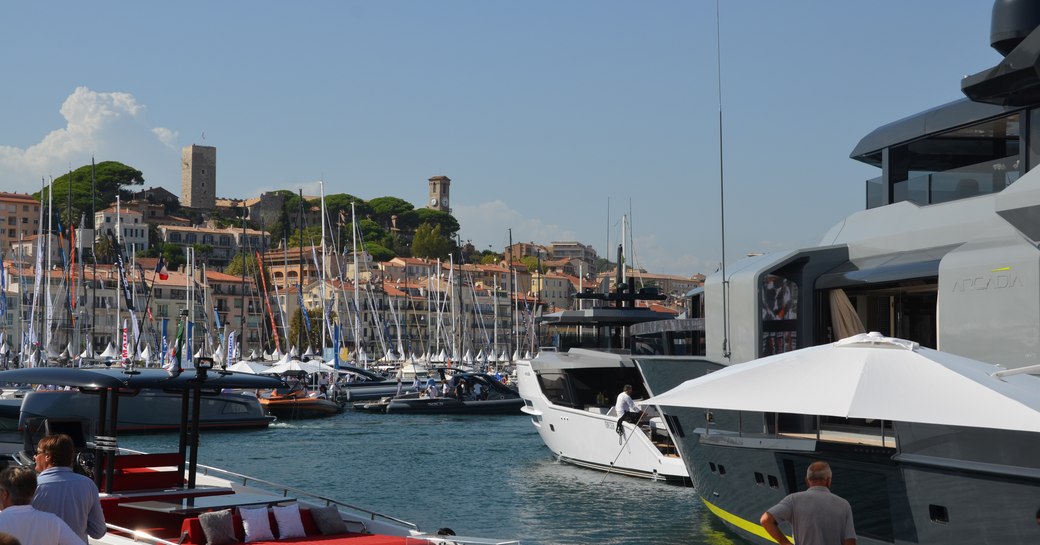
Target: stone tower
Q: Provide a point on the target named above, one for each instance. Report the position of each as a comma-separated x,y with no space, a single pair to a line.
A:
439,193
199,177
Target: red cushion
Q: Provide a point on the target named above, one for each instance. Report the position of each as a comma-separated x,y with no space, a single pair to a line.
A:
309,527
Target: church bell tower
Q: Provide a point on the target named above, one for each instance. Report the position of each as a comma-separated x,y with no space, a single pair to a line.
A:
439,193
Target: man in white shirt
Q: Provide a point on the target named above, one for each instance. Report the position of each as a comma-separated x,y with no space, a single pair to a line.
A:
18,518
626,409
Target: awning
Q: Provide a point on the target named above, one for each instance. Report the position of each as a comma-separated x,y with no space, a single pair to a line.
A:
918,264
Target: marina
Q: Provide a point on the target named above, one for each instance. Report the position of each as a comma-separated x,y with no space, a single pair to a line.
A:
900,347
490,476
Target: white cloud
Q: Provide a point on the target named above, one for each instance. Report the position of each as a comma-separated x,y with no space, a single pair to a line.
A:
488,224
107,126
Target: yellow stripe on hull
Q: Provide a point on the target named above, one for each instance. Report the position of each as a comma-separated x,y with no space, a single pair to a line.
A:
747,526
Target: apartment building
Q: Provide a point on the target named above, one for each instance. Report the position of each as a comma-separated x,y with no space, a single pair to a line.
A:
19,218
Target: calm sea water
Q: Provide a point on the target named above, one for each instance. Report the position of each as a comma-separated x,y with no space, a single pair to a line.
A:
484,476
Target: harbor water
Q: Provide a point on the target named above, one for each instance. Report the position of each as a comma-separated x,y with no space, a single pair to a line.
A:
482,476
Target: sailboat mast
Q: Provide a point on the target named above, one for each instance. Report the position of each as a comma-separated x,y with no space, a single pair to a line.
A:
357,307
321,271
93,231
512,288
299,336
49,305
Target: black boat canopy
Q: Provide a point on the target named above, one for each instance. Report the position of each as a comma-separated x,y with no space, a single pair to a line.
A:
929,122
138,379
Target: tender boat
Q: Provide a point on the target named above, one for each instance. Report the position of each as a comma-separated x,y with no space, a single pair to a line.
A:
945,255
157,497
496,398
298,402
570,388
357,384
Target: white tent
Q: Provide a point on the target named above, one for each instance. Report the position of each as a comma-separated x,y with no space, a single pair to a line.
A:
110,352
252,355
870,376
251,367
468,358
293,366
504,357
86,354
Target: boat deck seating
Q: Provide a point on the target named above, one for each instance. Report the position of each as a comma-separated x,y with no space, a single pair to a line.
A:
192,534
145,472
150,521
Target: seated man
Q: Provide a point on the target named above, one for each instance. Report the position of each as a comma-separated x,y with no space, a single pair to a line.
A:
626,409
19,519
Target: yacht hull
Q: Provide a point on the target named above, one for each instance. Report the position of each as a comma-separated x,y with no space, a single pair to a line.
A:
587,436
149,411
948,486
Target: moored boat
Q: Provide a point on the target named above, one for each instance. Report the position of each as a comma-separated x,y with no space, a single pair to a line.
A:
151,411
296,401
944,256
569,389
158,497
469,393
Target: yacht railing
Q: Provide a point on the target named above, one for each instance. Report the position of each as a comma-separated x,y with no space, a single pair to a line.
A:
289,491
938,187
298,493
137,535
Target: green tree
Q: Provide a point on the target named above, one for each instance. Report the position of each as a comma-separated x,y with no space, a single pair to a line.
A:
379,252
298,328
311,237
104,250
488,257
371,230
449,225
429,243
247,261
532,263
110,178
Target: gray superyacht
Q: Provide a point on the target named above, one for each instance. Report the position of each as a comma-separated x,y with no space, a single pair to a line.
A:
944,264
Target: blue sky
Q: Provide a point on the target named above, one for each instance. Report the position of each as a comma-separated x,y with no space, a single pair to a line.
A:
551,118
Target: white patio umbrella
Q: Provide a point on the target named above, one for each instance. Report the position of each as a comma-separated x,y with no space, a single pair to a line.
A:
870,376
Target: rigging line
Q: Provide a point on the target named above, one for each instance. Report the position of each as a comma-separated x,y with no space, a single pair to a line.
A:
635,428
722,187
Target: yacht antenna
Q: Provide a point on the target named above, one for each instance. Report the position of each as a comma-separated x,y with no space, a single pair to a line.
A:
722,190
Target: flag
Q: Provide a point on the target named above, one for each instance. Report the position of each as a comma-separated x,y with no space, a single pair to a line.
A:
125,353
303,309
3,290
191,357
335,346
160,269
164,346
174,366
231,354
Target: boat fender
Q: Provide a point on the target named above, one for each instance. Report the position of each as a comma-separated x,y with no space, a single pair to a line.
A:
445,532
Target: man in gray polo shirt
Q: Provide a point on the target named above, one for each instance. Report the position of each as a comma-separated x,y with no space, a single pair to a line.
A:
817,516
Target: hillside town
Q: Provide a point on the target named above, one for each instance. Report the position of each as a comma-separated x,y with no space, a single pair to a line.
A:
80,291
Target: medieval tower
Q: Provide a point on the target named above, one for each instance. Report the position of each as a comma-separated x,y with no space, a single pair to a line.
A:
199,177
439,193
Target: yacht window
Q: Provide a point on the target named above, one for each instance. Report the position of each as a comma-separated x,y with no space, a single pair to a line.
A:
778,310
760,479
938,513
774,482
711,466
958,164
